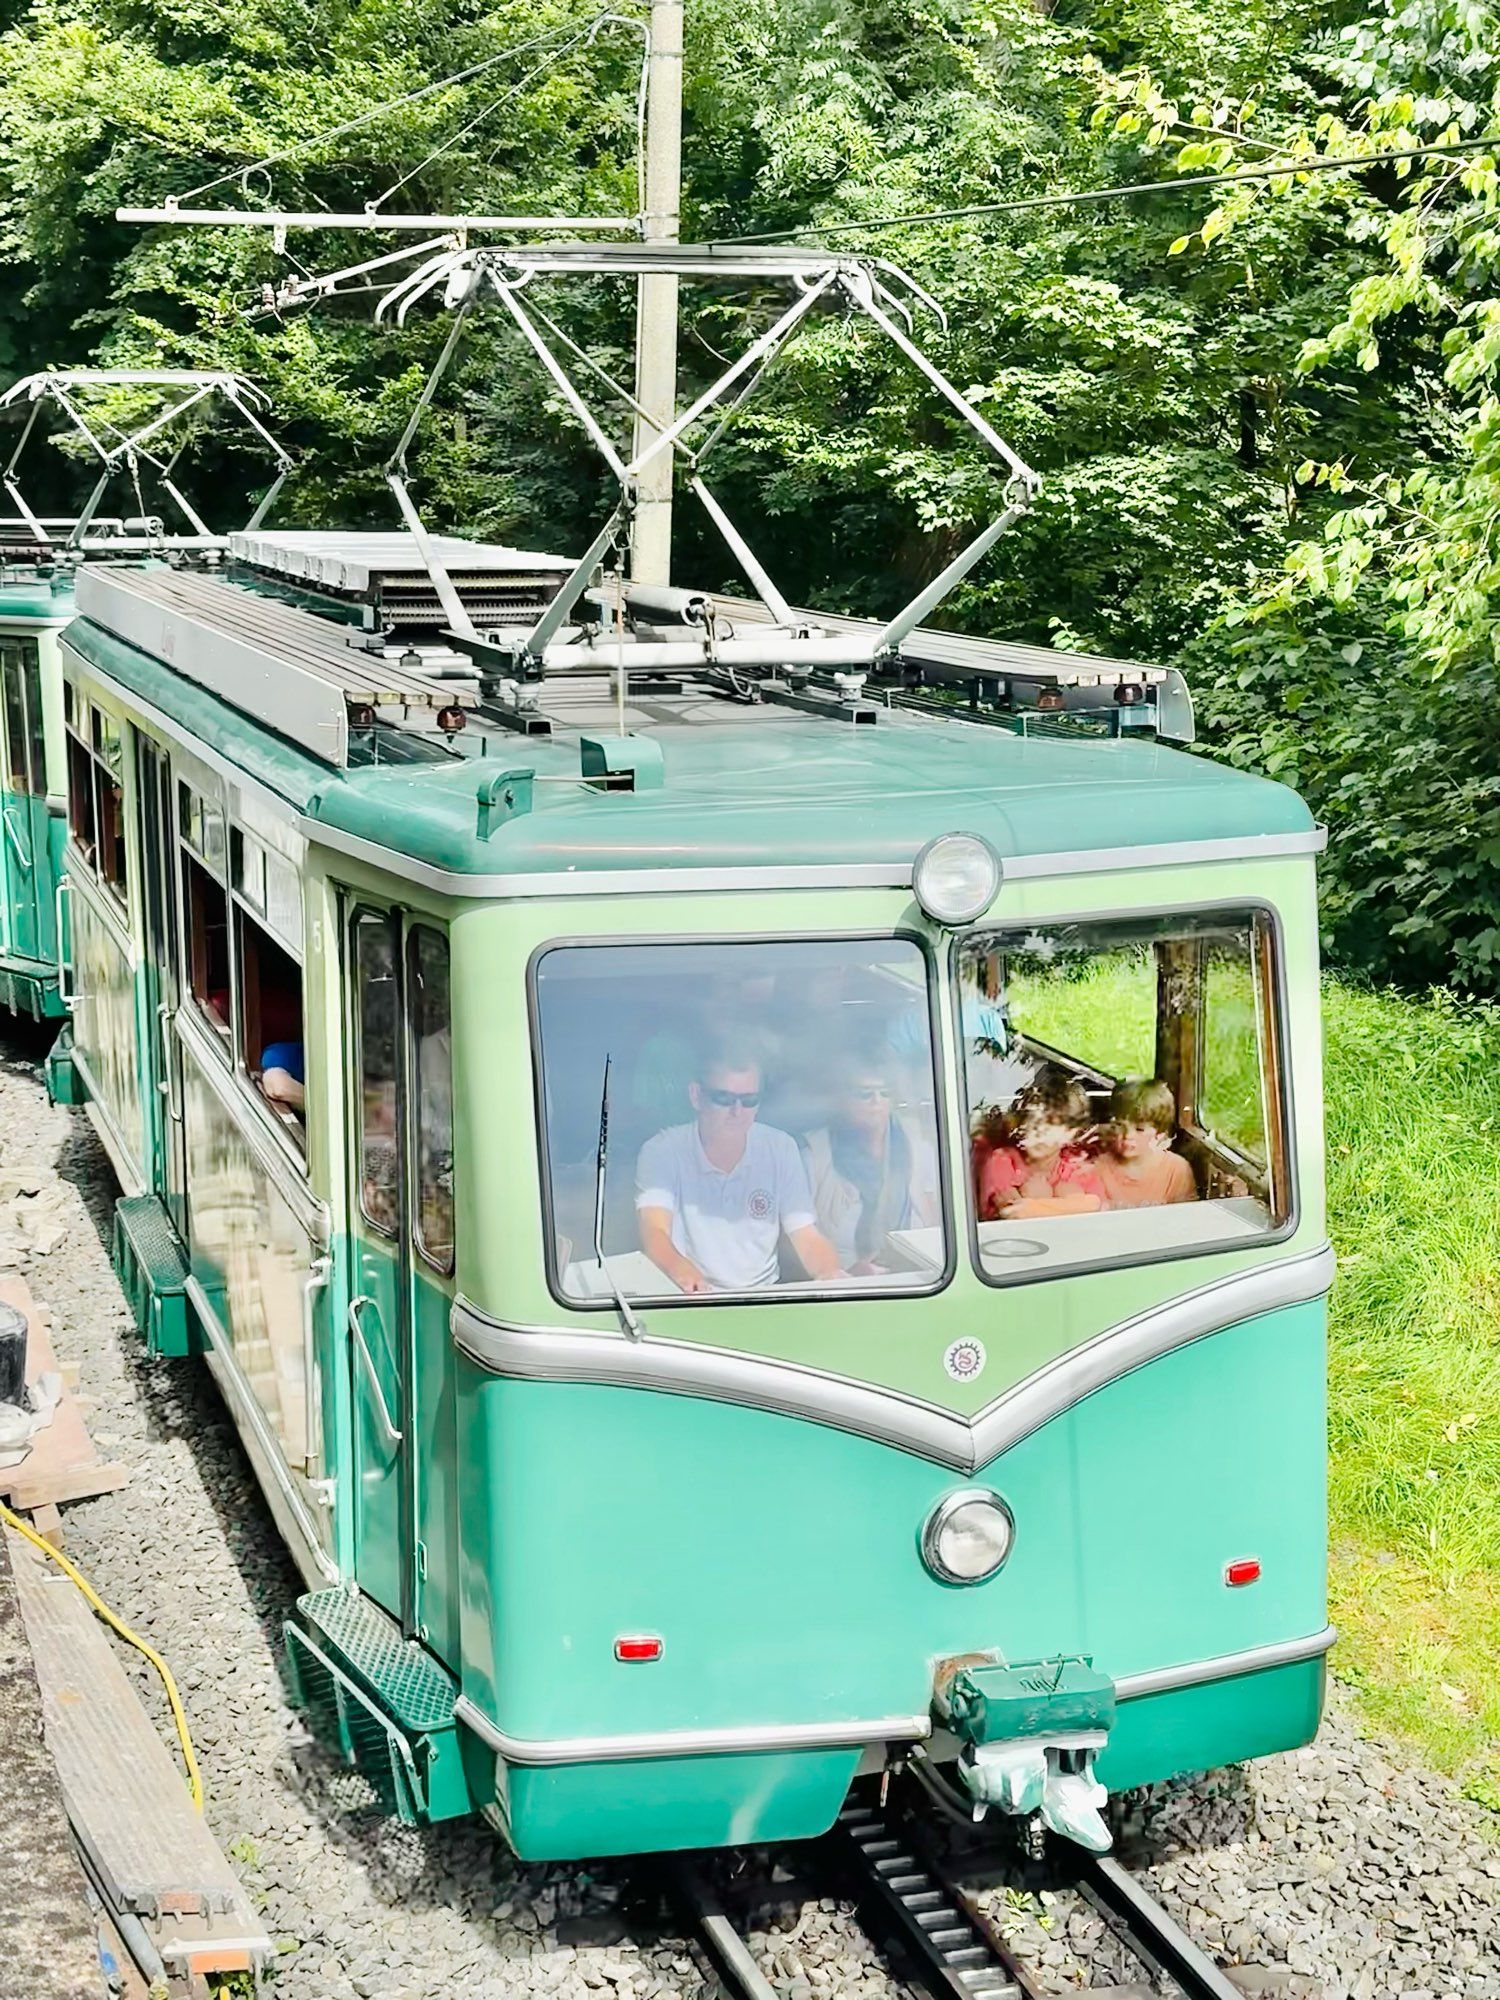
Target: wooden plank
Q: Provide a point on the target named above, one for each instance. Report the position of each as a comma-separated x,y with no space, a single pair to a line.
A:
36,1486
62,1464
124,1789
48,1946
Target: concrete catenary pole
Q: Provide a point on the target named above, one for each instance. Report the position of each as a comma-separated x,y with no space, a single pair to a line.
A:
656,312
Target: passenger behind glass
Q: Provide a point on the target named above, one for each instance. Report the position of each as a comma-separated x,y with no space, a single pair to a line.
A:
715,1197
870,1170
1032,1160
1136,1164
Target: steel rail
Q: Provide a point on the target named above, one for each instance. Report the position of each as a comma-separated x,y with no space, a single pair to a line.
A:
1156,1939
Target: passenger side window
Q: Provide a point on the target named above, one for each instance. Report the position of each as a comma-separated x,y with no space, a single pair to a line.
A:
1124,1090
378,1019
109,798
96,797
205,911
268,945
431,1047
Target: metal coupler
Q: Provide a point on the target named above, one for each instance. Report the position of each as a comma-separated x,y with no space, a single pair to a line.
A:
1029,1737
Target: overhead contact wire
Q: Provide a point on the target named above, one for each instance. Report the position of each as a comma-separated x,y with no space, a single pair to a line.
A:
379,111
1320,164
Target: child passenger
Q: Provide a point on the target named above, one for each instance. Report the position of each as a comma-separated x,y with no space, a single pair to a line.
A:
1031,1160
1137,1167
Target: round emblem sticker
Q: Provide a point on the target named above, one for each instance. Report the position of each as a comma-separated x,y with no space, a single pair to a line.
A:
965,1359
759,1204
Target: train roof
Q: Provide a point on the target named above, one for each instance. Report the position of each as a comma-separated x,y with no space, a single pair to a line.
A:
696,781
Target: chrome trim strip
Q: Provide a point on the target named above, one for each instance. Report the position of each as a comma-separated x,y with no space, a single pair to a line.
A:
689,1368
1225,1666
789,1388
752,1737
835,875
738,1740
1120,1349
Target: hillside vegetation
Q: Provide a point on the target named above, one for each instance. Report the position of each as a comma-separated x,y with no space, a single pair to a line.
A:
1266,412
1413,1092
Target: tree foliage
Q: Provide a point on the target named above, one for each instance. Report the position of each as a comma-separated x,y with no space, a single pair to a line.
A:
1267,414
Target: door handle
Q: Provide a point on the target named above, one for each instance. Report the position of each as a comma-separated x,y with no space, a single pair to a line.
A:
164,1025
318,1273
367,1361
64,961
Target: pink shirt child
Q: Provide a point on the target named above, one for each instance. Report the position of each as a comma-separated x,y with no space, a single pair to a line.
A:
1006,1169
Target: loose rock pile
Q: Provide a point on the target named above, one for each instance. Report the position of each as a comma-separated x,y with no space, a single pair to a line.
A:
1344,1861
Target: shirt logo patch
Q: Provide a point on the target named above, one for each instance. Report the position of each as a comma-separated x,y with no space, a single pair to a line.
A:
965,1359
759,1204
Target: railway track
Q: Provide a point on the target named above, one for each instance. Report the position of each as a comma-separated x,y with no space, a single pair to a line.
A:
906,1886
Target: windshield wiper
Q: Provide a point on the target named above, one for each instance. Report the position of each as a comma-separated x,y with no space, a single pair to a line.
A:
633,1327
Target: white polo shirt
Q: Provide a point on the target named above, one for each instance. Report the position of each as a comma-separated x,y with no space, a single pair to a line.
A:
729,1224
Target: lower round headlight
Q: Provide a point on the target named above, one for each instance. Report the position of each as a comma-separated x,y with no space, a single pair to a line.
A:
968,1535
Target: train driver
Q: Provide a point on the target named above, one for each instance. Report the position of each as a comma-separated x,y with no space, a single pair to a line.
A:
715,1197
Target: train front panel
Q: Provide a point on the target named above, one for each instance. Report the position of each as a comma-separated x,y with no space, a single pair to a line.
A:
696,1581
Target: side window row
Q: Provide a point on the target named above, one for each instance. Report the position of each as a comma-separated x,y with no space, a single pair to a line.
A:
96,798
405,1082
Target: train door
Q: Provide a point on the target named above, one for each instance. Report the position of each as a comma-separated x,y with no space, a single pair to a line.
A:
31,925
159,901
379,1328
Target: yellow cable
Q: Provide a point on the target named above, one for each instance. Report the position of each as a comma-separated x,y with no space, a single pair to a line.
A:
195,1782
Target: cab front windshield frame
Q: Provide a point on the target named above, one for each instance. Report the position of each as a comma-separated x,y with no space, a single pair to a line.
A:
840,1033
1072,1026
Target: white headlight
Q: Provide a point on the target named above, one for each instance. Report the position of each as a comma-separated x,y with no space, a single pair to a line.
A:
955,877
968,1535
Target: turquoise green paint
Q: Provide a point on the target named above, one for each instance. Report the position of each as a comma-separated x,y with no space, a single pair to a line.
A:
806,794
779,1559
562,1812
565,1811
1166,1735
803,793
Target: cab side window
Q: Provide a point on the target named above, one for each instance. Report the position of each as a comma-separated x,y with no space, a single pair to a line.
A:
379,1016
431,1045
1125,1090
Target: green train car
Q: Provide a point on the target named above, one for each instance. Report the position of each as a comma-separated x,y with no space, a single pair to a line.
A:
34,608
752,1234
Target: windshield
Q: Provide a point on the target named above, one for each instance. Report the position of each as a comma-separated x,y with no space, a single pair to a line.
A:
771,1118
1122,1090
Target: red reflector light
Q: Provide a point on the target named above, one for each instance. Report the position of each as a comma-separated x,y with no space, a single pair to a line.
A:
1247,1570
638,1649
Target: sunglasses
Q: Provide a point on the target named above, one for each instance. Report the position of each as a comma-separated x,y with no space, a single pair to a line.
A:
726,1099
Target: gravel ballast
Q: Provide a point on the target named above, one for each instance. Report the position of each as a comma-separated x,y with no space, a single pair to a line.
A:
1344,1866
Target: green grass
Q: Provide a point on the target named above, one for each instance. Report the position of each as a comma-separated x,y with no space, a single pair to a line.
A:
1103,1012
1413,1095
